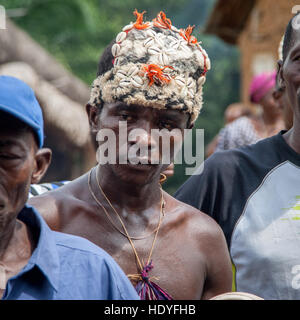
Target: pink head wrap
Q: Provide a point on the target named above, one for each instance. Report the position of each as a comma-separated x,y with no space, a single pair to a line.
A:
261,84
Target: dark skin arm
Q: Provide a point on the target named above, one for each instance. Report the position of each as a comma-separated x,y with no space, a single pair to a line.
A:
213,248
219,270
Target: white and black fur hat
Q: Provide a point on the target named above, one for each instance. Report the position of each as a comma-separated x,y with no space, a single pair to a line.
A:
156,65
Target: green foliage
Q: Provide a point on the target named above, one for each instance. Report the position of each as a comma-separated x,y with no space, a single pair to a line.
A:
77,31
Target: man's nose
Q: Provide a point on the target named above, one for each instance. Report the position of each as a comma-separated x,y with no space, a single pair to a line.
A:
143,136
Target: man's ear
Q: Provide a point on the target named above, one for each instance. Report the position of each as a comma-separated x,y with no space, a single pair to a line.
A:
93,116
277,94
42,159
280,79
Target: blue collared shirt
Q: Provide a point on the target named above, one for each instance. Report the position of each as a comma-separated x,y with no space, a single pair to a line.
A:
66,267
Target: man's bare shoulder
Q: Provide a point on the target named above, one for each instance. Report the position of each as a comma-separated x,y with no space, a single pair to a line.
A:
52,205
194,216
197,220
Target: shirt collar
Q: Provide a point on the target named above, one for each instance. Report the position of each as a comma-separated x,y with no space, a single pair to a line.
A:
45,255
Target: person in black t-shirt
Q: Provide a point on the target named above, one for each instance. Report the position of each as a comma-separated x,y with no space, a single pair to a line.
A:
254,194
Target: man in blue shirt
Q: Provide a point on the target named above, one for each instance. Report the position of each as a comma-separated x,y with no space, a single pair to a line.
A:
35,262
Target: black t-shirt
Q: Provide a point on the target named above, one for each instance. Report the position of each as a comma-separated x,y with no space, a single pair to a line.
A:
254,194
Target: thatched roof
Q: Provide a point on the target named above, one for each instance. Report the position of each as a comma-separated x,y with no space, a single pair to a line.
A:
17,45
229,18
61,95
59,110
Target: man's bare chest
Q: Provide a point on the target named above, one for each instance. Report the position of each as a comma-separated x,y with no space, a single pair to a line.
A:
178,266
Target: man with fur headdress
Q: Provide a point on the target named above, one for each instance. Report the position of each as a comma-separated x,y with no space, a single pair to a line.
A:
150,77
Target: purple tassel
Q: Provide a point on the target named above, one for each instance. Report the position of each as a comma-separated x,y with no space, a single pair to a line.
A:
148,290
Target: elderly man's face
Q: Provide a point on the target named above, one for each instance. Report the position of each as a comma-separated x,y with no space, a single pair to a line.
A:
147,119
17,164
290,74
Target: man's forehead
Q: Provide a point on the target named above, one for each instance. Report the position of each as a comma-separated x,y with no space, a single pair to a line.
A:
10,138
119,106
9,141
122,106
295,34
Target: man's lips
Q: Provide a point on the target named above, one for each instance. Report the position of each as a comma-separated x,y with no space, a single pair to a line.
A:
136,159
141,167
140,163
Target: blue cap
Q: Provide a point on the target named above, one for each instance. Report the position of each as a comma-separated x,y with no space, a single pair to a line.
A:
18,99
